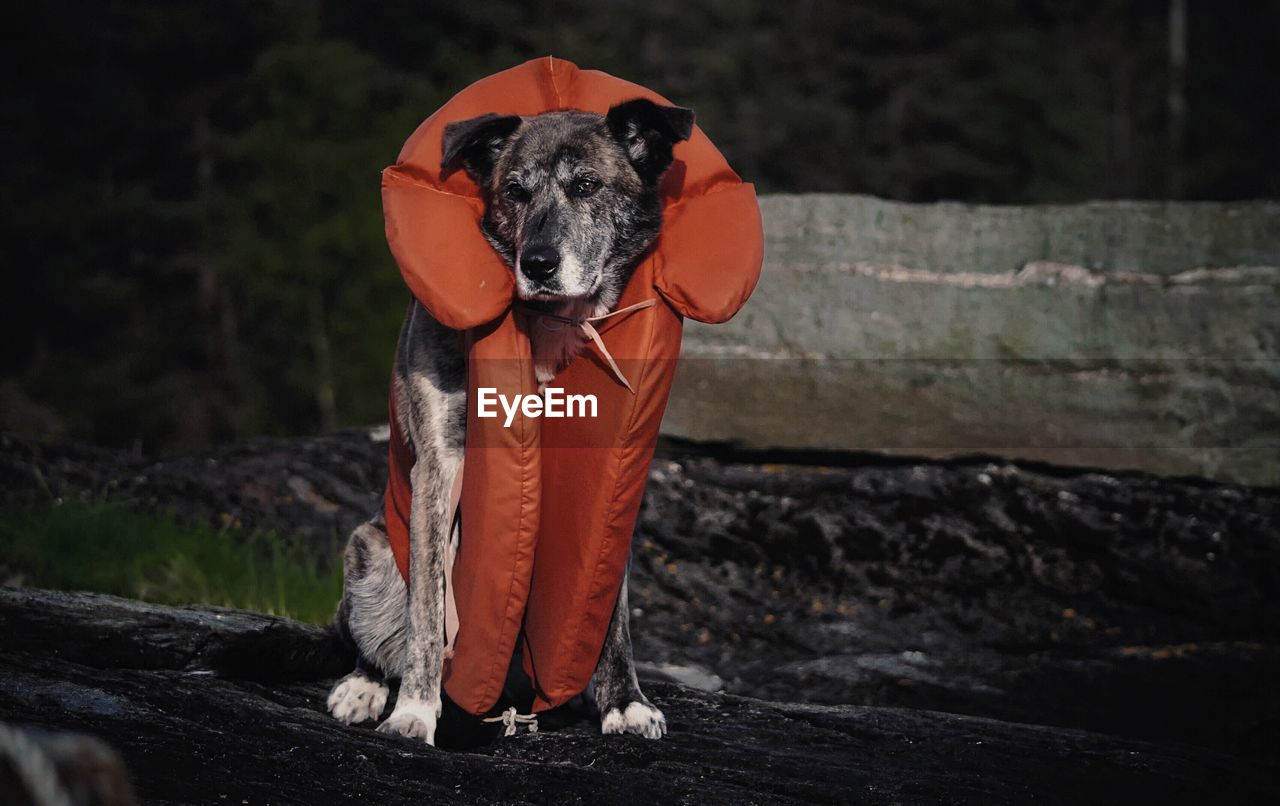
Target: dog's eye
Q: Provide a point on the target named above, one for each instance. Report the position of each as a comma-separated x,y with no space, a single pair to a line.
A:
585,186
514,192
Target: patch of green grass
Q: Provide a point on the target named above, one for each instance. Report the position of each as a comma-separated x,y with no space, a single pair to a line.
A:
110,549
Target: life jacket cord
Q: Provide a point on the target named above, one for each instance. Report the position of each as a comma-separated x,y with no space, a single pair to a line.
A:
586,323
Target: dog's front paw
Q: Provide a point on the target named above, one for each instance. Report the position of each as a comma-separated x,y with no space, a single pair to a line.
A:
639,717
415,719
356,698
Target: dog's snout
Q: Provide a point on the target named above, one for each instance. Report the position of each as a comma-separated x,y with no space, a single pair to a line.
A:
539,262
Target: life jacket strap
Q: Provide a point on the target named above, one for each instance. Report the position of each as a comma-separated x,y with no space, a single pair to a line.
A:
513,720
586,323
450,553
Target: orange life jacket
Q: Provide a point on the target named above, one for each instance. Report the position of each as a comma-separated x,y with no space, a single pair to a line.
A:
548,505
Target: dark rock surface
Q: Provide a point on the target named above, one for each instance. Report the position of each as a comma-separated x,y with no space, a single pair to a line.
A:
211,706
1129,604
1125,604
317,489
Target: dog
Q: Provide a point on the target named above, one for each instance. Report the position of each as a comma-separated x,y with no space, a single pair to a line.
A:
572,205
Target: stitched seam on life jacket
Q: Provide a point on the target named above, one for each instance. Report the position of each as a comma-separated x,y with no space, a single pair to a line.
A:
390,176
496,675
625,457
715,184
551,68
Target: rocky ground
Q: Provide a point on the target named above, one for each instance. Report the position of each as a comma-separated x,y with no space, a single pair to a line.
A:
1135,619
218,706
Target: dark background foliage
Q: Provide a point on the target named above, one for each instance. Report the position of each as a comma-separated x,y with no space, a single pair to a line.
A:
189,217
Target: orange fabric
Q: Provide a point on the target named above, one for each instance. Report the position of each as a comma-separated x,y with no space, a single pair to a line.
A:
548,505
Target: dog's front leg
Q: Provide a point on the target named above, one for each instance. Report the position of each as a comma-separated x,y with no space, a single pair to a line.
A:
418,705
623,707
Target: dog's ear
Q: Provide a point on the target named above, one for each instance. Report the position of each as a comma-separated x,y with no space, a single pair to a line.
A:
476,144
647,132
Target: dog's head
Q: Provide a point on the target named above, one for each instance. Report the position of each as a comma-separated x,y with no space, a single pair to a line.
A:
571,198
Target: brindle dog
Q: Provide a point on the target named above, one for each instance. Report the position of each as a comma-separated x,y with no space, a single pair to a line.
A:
572,205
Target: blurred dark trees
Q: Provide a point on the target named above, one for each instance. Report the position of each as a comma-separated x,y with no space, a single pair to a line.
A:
191,231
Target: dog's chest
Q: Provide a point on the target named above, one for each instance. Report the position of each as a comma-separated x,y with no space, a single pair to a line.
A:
554,344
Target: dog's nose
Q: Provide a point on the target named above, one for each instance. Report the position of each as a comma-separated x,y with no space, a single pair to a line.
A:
539,262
